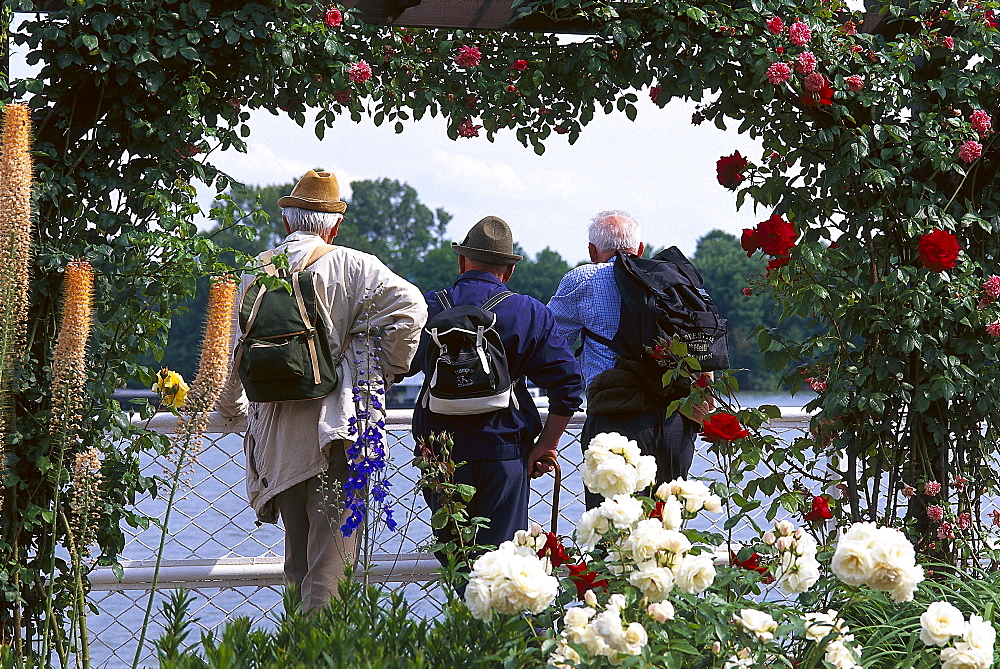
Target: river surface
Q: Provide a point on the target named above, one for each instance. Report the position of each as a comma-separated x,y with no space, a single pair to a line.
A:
211,520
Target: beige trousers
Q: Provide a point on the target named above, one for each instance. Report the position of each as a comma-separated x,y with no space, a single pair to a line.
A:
316,552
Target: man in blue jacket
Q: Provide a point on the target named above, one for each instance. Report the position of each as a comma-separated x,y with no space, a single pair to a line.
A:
503,448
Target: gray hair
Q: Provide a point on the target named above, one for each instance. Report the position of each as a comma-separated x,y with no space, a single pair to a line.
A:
614,230
306,220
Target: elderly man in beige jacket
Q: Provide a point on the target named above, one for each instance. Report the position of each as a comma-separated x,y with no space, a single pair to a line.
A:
295,451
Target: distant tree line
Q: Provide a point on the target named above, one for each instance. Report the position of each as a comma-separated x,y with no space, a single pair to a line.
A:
386,218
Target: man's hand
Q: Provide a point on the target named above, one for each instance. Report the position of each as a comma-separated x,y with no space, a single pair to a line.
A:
541,460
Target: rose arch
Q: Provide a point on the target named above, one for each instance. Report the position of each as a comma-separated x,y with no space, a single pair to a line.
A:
878,179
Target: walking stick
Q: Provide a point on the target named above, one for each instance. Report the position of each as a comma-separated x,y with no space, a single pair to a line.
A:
556,487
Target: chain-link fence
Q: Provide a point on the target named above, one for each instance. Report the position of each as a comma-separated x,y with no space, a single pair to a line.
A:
234,567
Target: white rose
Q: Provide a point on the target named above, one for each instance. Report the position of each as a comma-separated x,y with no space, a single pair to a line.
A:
783,543
661,612
800,578
695,573
805,546
676,542
840,656
865,533
612,477
784,528
713,504
980,634
488,565
477,598
608,625
757,622
694,494
769,538
852,561
906,584
628,450
664,491
635,638
591,528
578,616
606,441
589,639
940,622
564,657
536,588
654,582
964,656
819,625
590,599
672,517
646,540
646,470
622,510
893,548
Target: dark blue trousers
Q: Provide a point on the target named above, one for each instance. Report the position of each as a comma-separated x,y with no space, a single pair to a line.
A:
501,496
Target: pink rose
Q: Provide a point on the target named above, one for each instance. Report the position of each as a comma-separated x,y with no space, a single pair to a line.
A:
360,72
970,151
468,56
992,287
806,63
855,82
981,122
799,33
814,82
332,17
945,531
747,292
776,25
343,97
654,94
993,329
964,520
778,73
467,129
932,488
935,512
949,43
850,28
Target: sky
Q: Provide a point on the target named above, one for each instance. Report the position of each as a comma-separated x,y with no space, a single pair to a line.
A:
660,168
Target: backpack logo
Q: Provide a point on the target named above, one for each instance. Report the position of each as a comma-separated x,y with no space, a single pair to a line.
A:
466,366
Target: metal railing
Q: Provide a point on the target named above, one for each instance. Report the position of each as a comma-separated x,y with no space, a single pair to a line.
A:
235,567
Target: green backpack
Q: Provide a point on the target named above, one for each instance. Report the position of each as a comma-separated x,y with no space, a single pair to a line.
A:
283,353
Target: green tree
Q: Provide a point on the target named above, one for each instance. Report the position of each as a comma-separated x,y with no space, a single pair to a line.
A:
538,276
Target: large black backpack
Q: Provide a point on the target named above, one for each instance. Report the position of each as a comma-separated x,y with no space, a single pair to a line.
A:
465,368
664,296
283,353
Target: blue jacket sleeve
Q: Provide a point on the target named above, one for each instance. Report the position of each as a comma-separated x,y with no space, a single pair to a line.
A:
552,365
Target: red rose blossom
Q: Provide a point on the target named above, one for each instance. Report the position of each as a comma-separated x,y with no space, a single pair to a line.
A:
332,17
949,43
778,73
520,65
584,579
359,72
806,64
750,241
776,25
554,550
729,170
654,94
776,236
775,263
750,563
981,122
820,509
747,292
820,91
938,250
855,82
723,426
970,151
799,33
343,97
467,129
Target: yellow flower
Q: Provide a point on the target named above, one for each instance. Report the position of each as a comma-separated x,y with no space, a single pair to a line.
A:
171,388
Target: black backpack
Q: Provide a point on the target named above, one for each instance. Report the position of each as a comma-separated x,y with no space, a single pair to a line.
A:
465,368
664,296
283,353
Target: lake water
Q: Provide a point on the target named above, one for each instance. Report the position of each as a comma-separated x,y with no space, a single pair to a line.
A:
211,520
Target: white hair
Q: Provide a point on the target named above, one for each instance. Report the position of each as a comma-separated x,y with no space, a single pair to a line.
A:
306,220
614,230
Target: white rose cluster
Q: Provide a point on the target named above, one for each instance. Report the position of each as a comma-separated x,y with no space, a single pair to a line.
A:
512,579
614,465
621,512
841,651
879,557
601,634
974,638
798,569
694,494
758,623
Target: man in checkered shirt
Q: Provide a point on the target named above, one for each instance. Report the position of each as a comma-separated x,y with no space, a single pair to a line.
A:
587,306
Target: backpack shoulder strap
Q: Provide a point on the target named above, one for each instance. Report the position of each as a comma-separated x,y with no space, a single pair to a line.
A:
318,252
443,298
490,304
267,263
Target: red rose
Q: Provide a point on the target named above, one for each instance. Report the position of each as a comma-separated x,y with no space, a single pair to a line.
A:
723,427
776,236
520,65
750,241
775,263
584,579
659,352
555,551
938,250
657,511
820,509
703,381
730,170
654,94
824,96
750,563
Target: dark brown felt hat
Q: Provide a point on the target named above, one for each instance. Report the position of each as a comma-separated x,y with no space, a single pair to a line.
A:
316,191
489,241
